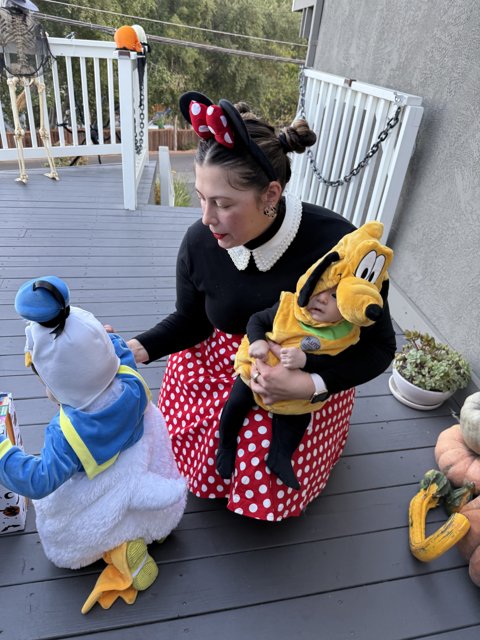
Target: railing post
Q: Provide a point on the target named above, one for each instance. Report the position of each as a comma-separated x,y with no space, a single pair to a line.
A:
167,192
126,63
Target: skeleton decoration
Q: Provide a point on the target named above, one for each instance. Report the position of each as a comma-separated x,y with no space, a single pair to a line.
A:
24,54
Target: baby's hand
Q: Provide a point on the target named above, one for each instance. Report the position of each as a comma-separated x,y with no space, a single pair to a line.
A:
258,349
292,358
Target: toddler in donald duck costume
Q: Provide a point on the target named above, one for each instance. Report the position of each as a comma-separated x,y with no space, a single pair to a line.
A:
105,483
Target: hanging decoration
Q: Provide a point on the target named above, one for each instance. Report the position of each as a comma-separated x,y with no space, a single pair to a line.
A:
24,55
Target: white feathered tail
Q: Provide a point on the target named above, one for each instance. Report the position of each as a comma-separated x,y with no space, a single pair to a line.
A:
142,495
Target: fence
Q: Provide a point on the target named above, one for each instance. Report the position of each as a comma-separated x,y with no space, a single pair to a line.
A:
350,119
87,121
174,139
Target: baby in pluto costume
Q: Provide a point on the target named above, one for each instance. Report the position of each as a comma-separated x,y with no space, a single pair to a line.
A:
105,483
354,273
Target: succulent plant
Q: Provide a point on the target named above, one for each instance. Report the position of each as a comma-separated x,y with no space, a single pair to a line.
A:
431,365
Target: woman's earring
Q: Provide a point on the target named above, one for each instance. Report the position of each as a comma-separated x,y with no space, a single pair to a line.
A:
270,212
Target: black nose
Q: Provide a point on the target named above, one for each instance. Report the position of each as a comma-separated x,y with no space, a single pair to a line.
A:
373,312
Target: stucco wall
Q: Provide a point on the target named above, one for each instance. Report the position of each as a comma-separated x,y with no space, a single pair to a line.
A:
429,48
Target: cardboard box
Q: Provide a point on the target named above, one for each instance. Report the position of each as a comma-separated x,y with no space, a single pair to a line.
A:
13,507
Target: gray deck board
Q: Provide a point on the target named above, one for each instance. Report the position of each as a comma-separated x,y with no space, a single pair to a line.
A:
341,570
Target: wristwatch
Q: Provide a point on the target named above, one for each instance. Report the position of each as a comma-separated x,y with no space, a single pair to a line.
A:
319,397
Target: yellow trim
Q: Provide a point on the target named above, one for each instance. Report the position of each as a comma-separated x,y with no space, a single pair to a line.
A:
92,469
123,368
5,446
28,359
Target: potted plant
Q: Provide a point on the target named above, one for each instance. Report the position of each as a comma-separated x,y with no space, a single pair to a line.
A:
427,372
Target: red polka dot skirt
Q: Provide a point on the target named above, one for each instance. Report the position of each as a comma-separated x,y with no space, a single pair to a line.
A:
197,382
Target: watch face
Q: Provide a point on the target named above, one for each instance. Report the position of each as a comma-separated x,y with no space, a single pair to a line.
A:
319,397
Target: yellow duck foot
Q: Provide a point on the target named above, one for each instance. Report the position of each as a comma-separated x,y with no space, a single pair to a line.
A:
130,569
111,584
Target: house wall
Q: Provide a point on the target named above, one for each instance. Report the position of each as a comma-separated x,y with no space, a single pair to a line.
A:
428,48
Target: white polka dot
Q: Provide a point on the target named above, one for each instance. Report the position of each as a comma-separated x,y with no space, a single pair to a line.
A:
249,494
263,488
242,466
248,434
255,461
267,503
280,494
265,443
270,516
262,430
258,475
253,508
245,480
236,498
258,417
240,453
251,447
239,511
195,108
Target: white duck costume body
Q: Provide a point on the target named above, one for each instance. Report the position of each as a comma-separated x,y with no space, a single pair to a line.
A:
106,474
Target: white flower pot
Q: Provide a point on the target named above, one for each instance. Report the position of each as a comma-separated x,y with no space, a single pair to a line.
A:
413,396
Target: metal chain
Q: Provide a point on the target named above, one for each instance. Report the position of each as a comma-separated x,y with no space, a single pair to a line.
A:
391,123
139,137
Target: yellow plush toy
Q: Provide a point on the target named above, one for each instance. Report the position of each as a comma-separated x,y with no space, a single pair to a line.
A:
357,266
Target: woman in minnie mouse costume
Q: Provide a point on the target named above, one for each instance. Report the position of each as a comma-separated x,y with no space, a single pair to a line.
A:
254,240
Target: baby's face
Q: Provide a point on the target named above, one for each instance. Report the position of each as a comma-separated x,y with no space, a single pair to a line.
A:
323,306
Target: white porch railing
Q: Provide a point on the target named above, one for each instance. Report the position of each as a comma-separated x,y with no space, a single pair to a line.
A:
348,117
107,105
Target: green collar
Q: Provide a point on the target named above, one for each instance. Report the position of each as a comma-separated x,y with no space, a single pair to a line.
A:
334,332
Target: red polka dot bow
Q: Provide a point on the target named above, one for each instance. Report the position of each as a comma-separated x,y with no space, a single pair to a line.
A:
209,121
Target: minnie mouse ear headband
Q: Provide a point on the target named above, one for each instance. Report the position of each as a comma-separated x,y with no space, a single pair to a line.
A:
224,123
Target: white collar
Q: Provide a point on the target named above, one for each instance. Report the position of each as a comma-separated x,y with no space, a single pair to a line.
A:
269,253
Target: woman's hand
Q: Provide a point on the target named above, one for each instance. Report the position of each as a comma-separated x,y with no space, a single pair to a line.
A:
278,383
139,352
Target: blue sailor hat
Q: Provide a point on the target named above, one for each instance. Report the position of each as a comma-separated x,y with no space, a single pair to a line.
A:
42,299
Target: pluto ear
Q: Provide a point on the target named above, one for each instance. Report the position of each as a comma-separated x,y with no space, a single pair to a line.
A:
309,287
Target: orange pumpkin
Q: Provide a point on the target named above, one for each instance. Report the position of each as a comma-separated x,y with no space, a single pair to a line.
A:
469,546
459,463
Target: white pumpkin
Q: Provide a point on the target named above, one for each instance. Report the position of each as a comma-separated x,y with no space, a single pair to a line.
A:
470,422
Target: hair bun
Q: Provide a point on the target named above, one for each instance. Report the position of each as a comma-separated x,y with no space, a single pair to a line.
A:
243,108
297,137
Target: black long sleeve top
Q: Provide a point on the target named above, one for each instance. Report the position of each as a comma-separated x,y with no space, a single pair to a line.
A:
212,292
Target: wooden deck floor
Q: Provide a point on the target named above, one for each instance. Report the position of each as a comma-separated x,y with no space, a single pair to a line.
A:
343,570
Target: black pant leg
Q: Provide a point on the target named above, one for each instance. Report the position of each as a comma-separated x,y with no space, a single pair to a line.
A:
234,412
287,433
